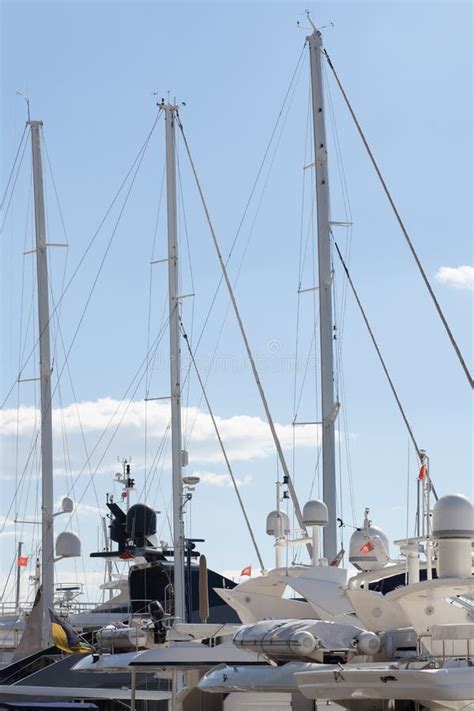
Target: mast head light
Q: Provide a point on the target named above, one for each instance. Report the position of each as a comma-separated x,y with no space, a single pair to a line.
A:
67,505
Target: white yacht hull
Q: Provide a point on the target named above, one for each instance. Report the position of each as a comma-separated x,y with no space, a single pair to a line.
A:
446,687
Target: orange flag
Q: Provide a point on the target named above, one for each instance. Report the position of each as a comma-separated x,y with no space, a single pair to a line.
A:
22,561
247,571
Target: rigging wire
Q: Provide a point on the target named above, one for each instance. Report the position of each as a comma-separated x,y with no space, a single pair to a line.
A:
96,278
221,444
372,336
4,197
245,249
138,159
289,99
282,116
137,377
298,294
14,560
63,224
303,252
150,294
193,291
21,348
65,450
312,228
76,406
345,198
252,192
272,135
10,177
338,379
156,461
340,319
58,334
101,265
20,342
258,383
35,462
402,226
35,439
31,469
68,473
407,507
305,372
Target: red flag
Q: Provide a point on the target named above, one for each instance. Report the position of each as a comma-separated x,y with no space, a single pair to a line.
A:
367,547
126,555
22,561
247,571
423,472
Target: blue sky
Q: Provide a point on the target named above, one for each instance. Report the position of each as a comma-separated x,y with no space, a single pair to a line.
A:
91,69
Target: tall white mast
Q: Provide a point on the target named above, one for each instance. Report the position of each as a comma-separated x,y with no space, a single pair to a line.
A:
175,366
47,541
328,406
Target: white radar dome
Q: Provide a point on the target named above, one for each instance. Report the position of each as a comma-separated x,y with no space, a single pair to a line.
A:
68,545
369,548
453,517
315,513
278,524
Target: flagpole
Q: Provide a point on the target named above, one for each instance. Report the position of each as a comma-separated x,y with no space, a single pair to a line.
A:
18,571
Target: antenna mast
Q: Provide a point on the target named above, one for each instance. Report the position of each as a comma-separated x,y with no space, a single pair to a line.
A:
329,407
175,365
47,541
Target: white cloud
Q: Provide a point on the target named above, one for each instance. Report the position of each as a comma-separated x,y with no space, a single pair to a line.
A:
221,480
459,277
81,508
113,427
247,439
89,510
